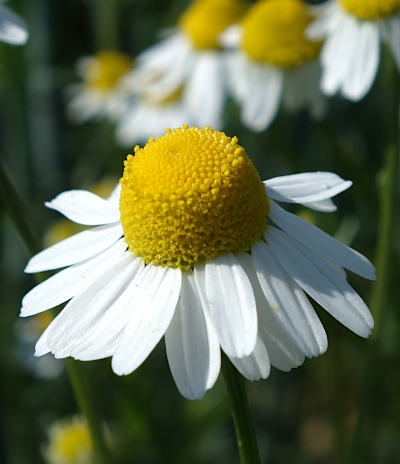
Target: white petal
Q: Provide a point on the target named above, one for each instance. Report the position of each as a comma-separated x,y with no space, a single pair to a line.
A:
307,187
75,249
231,37
154,307
115,194
42,347
323,283
256,366
77,319
204,91
84,208
67,283
230,304
263,95
322,243
283,354
362,71
101,340
289,304
392,27
338,53
324,205
186,339
12,27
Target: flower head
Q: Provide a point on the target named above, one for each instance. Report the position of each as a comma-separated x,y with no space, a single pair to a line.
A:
69,443
102,92
195,247
191,58
273,60
353,31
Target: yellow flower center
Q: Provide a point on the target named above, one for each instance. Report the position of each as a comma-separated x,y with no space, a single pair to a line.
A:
204,20
189,196
73,441
168,99
105,69
371,9
273,33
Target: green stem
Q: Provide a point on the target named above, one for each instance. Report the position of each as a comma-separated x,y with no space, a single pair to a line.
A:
18,213
106,24
83,397
244,428
383,255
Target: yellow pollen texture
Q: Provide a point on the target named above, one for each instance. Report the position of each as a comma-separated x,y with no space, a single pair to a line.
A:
106,68
273,33
371,9
204,20
189,196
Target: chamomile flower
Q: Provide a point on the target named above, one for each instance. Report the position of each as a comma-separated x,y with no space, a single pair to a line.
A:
273,61
12,27
353,31
190,57
69,443
102,93
149,116
195,248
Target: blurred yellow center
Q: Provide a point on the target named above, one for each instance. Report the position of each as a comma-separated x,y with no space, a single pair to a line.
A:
165,100
204,20
189,196
273,33
371,9
106,68
74,441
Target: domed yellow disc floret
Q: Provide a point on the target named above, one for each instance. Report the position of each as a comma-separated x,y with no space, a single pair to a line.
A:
371,9
189,196
273,33
204,20
105,69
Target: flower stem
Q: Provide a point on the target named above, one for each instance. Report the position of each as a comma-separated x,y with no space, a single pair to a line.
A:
106,24
83,397
244,428
383,254
19,214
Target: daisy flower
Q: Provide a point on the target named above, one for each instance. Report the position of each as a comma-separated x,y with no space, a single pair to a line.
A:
194,247
273,61
12,27
149,116
353,30
190,57
69,443
102,93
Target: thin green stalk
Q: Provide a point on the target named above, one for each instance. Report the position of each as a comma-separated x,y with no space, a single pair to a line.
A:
357,450
82,391
244,428
106,24
15,207
383,255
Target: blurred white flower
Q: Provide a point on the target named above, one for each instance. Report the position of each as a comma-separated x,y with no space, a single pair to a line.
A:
12,28
69,443
195,247
353,31
101,93
148,117
190,58
272,61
